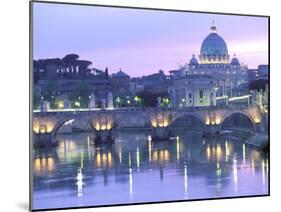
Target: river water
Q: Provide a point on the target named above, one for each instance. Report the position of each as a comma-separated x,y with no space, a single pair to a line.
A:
134,169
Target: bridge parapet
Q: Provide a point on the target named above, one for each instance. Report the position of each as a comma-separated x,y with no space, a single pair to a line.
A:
211,118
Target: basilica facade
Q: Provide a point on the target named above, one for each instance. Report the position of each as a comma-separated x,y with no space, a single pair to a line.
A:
216,67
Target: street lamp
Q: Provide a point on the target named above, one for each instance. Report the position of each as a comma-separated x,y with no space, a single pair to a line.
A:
137,100
166,102
77,104
118,100
60,105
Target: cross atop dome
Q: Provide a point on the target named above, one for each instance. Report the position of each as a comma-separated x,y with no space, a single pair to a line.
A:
213,27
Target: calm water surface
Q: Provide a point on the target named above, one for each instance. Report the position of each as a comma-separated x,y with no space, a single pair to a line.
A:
135,170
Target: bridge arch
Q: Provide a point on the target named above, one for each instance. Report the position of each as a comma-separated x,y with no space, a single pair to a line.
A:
195,115
121,121
61,122
245,114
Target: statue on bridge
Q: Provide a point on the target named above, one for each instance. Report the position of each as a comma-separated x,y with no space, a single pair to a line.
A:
110,101
159,101
92,104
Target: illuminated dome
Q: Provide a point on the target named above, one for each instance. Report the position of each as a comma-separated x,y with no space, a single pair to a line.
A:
235,61
214,48
213,45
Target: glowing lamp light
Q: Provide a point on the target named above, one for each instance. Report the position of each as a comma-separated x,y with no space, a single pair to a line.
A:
155,156
137,100
43,129
98,160
218,120
166,101
77,104
104,159
49,127
97,126
60,105
218,152
153,123
109,159
103,126
51,164
207,121
118,100
257,120
166,155
166,123
129,160
138,157
208,150
108,126
239,98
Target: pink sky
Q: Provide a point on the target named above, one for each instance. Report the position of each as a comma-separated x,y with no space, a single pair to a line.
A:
142,41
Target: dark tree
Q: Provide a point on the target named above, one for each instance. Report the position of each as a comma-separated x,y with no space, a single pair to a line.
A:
70,61
83,66
50,92
70,57
258,84
150,99
36,98
106,73
81,93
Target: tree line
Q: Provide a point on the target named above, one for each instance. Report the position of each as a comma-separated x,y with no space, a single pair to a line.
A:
67,67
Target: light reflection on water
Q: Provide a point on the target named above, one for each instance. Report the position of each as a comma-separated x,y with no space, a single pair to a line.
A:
136,169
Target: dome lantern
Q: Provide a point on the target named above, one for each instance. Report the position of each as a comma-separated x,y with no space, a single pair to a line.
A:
213,28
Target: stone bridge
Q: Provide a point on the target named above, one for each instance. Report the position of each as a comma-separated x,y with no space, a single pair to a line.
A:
103,121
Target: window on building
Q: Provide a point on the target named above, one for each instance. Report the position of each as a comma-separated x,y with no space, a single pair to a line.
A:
200,94
189,95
